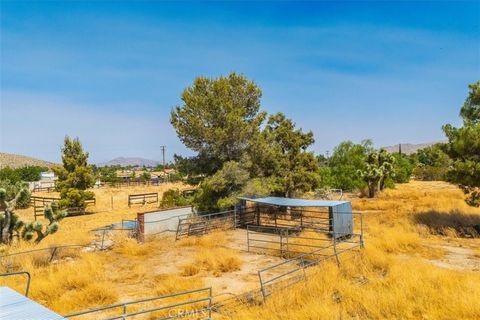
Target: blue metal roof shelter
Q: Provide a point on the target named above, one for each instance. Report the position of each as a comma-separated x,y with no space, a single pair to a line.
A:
14,306
338,221
291,202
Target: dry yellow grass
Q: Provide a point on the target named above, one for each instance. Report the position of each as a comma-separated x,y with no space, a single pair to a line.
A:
393,278
210,255
375,287
77,230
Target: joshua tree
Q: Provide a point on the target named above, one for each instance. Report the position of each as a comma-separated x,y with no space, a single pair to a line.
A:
53,214
12,226
9,222
378,169
386,161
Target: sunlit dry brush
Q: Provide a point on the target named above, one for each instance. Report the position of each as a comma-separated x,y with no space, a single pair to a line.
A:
373,286
68,286
210,255
218,260
400,219
214,239
392,278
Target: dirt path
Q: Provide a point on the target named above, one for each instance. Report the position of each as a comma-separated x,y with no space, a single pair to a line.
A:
457,258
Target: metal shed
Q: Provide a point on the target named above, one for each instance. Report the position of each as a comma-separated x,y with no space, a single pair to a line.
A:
14,306
333,217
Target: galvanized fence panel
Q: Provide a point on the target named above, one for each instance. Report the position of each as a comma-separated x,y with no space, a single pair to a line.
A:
303,251
192,304
40,257
200,224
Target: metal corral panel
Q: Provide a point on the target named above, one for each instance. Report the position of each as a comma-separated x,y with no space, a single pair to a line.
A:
163,220
342,219
291,202
14,306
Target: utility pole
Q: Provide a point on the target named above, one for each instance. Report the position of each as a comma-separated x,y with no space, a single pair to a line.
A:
163,156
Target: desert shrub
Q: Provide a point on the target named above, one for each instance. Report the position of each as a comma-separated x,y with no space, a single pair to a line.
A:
448,223
107,173
431,163
218,260
170,283
174,198
130,247
211,240
403,168
430,173
27,173
344,164
175,177
190,270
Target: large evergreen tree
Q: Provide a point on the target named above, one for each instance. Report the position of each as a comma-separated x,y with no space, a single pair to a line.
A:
217,120
463,147
75,176
294,168
221,120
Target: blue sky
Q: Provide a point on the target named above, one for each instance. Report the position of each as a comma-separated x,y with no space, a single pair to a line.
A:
110,72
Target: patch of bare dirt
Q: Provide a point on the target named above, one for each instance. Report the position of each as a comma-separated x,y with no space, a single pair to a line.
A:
457,258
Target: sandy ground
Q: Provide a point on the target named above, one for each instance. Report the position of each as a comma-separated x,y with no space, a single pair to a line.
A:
457,258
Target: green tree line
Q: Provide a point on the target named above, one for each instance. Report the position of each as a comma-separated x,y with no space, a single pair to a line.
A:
241,150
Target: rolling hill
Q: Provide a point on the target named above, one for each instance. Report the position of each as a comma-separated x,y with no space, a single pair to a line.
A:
130,161
409,148
17,161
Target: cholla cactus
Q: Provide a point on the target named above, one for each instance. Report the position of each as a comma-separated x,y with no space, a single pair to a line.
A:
53,214
10,224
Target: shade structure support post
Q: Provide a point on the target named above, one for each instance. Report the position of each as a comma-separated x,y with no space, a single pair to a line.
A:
335,249
362,244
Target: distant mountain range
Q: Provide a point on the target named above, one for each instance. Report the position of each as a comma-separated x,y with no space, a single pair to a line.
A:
17,161
130,161
408,148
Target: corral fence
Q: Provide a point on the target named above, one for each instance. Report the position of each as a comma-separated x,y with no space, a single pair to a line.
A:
184,222
43,189
142,198
43,256
129,228
290,240
321,220
282,275
53,253
120,184
294,270
193,304
200,224
301,252
38,204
